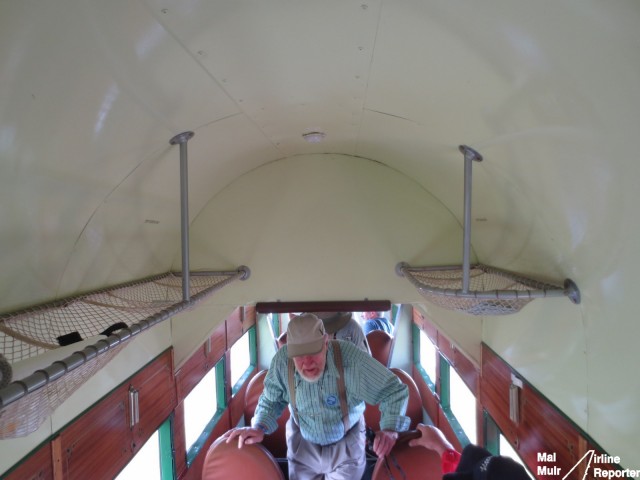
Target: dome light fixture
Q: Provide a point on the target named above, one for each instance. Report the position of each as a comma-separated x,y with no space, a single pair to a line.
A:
314,137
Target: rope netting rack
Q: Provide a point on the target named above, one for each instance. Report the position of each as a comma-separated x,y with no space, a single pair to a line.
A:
48,351
91,328
480,289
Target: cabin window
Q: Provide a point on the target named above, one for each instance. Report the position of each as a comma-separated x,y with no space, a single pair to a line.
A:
458,403
203,407
498,444
425,357
243,359
154,460
507,450
428,357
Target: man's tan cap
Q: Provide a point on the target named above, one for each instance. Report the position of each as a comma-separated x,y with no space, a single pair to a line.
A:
305,335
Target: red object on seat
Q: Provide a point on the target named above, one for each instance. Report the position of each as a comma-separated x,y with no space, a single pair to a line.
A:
226,460
380,343
414,406
408,463
276,442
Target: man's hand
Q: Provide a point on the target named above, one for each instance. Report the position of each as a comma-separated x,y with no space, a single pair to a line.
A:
384,442
431,438
245,435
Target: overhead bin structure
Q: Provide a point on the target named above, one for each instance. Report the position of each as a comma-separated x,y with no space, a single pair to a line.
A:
50,350
480,289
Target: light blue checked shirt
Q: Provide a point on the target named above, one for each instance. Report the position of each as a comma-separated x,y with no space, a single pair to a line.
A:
318,403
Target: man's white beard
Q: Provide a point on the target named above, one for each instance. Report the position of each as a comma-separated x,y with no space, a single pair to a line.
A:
311,379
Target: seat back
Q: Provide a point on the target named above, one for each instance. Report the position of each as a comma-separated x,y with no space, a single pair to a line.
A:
226,460
380,344
414,406
276,442
408,463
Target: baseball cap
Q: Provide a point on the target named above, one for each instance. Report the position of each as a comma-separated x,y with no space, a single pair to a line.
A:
305,335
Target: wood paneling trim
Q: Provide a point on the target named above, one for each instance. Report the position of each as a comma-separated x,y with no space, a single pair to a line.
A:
467,370
330,306
196,366
179,441
37,466
234,326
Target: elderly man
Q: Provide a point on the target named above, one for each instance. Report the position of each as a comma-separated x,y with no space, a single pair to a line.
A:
326,384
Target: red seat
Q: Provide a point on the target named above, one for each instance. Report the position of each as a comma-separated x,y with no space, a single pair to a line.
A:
380,344
276,442
408,463
414,406
226,460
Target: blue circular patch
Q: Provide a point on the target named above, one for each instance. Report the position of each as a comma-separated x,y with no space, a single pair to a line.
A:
331,401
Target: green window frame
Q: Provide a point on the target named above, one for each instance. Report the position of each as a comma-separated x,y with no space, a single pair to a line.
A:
493,438
253,359
417,337
445,401
221,406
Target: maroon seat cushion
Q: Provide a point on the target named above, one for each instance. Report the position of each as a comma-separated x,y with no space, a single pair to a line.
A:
408,463
226,460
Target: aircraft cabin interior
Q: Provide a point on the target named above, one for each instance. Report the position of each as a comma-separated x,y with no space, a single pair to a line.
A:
179,178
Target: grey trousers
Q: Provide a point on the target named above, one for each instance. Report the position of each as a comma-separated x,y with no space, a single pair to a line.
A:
343,460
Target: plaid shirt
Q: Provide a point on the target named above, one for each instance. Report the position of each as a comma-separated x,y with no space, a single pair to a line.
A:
318,403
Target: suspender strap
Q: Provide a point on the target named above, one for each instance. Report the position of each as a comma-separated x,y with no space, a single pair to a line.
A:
342,389
292,390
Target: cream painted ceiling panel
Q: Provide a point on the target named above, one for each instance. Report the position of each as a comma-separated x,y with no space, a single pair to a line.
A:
153,67
291,66
322,227
427,69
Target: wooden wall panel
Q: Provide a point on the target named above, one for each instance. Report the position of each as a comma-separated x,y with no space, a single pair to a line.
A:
156,397
196,366
99,441
37,466
541,428
179,441
494,394
234,324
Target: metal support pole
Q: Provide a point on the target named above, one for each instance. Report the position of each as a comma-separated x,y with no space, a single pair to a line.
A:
469,155
182,139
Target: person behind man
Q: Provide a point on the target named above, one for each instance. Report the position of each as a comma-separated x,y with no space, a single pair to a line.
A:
474,463
376,321
326,384
342,326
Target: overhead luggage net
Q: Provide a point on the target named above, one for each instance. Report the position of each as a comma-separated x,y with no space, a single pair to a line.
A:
99,321
492,291
480,289
50,350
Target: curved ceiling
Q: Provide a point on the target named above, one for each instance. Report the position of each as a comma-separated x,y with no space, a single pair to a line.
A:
92,91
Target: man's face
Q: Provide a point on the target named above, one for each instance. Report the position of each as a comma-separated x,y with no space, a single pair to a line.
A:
311,367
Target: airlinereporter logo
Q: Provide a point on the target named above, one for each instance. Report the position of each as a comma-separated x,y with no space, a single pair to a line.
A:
595,466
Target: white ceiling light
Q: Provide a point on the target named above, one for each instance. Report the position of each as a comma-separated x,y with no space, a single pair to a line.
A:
314,137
